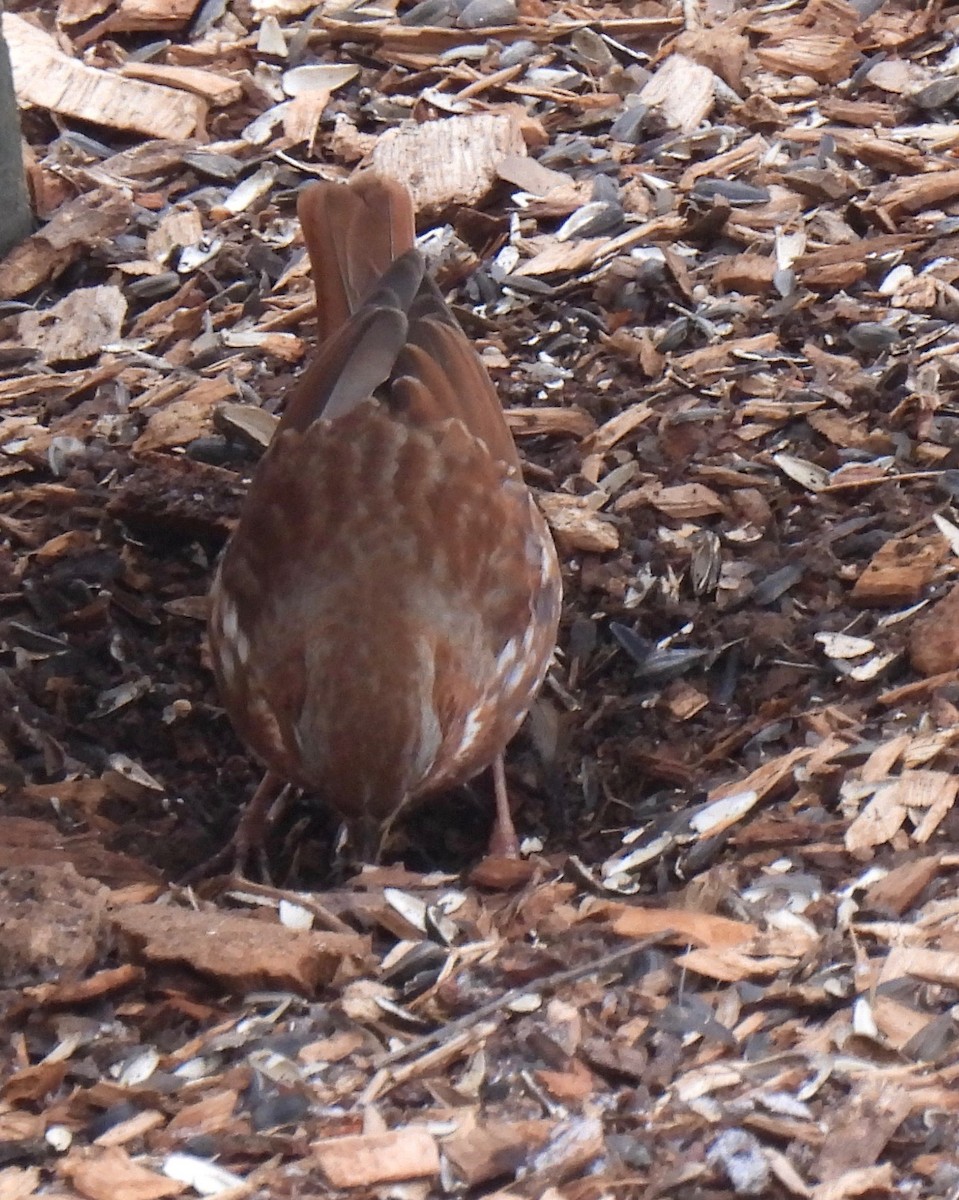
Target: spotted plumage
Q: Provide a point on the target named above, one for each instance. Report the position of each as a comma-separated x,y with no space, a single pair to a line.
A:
386,609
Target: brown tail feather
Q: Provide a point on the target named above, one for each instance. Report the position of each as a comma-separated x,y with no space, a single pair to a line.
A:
353,234
384,325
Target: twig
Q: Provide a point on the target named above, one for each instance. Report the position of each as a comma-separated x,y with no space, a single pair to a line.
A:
549,984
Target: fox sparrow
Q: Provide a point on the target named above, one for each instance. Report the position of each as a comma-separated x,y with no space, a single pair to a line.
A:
386,608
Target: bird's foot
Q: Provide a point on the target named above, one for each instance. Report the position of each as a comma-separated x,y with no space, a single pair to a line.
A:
248,842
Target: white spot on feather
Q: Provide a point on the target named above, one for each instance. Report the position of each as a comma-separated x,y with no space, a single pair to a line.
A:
472,730
226,661
229,620
242,645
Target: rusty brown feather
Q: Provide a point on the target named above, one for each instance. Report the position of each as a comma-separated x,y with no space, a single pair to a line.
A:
386,609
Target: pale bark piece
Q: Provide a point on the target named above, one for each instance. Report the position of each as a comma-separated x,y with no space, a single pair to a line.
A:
682,90
683,501
452,161
47,78
180,226
74,12
572,1146
864,1181
217,90
551,420
188,417
860,1129
932,791
564,257
749,273
54,920
239,951
732,966
132,1129
616,428
898,572
898,1023
531,176
153,14
481,1151
931,966
761,782
904,196
576,523
281,8
18,1183
732,163
113,1175
75,228
700,928
367,1159
208,1115
825,57
78,327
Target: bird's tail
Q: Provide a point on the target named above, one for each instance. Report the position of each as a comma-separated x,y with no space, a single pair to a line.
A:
353,234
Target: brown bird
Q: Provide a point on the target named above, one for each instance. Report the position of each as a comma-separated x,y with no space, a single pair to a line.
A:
386,609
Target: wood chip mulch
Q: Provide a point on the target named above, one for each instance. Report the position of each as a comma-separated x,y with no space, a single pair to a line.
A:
711,256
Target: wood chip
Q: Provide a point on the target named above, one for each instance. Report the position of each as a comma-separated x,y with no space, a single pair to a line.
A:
898,572
449,161
46,77
78,327
368,1159
682,90
240,952
575,522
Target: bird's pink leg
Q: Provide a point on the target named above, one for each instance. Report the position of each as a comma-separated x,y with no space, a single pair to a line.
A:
503,842
258,815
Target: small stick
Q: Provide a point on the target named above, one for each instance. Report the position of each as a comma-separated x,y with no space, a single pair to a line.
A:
550,984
